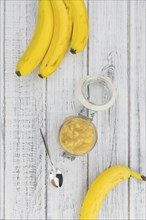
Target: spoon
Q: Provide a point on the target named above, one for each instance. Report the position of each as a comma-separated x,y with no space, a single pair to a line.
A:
55,175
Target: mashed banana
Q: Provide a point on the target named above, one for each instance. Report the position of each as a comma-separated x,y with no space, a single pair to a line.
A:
77,136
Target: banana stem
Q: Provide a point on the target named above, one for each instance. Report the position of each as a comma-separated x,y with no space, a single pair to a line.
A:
138,175
143,178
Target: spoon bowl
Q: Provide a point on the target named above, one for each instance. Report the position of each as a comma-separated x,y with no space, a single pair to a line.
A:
56,178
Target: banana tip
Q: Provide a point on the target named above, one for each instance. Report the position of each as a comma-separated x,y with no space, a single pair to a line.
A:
143,178
40,76
73,51
18,73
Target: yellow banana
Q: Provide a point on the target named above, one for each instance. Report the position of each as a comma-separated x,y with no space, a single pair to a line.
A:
101,186
60,40
80,26
40,41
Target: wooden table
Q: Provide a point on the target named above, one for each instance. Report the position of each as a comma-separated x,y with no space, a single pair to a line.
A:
117,38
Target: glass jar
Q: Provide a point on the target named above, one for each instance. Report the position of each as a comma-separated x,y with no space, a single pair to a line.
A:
78,135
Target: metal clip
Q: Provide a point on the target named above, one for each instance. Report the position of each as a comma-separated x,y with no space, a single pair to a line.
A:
68,156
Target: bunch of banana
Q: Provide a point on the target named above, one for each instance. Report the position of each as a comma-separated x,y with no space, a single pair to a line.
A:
59,23
100,188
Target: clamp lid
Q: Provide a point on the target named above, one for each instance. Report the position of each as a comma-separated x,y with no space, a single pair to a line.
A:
105,92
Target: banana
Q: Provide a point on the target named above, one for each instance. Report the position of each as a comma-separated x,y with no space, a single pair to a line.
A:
101,186
60,40
80,26
40,41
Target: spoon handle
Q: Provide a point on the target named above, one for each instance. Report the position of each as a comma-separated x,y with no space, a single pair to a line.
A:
46,146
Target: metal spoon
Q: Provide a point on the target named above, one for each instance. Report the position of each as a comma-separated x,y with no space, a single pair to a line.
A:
55,175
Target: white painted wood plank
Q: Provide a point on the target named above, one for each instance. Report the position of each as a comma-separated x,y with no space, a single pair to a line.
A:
65,203
138,107
2,183
25,190
108,36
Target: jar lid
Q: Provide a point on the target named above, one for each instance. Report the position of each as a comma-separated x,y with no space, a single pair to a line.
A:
96,93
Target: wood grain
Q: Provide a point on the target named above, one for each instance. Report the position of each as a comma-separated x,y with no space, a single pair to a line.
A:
108,46
25,190
137,116
2,148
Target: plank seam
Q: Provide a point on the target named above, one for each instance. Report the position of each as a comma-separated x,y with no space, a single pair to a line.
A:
46,161
88,92
3,113
129,92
